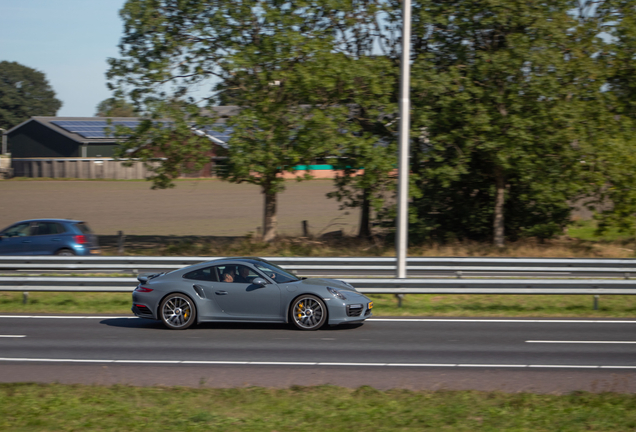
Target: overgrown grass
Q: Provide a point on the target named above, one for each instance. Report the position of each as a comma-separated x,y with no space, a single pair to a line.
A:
28,407
565,247
586,230
385,305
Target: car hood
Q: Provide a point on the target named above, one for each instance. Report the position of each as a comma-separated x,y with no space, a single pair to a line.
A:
333,283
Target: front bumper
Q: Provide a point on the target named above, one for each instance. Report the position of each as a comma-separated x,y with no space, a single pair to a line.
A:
355,309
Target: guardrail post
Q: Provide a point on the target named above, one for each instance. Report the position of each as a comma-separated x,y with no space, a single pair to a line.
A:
627,276
458,274
596,302
305,229
399,298
120,242
25,297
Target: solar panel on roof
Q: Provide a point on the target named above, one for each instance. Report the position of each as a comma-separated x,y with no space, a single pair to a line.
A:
101,128
93,128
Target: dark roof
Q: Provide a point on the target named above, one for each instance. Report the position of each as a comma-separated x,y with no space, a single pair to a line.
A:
91,129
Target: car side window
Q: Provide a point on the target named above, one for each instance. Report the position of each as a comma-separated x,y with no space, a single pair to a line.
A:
46,228
207,274
245,274
18,230
227,273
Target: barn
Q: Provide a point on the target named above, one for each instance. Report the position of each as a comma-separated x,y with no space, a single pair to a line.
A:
84,147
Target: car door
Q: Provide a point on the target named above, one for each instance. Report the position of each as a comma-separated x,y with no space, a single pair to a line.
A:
241,299
15,239
46,239
203,281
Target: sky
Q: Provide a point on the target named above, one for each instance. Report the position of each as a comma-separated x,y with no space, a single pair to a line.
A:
68,40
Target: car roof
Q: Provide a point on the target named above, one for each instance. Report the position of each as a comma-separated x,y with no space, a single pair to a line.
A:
228,260
51,220
251,260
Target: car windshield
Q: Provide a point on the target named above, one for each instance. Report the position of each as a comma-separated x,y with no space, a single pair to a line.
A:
273,271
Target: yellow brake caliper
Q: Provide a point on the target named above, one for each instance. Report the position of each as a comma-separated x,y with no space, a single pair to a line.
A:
299,310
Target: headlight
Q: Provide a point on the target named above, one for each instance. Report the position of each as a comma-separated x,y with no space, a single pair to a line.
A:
336,293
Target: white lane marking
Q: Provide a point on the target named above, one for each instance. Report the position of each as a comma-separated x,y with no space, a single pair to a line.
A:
500,320
467,320
278,363
12,336
580,342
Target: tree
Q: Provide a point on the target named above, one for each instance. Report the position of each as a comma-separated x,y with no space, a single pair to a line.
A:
113,107
271,55
175,141
613,117
24,92
500,89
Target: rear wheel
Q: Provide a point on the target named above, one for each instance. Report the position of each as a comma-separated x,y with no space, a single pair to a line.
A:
308,312
65,252
178,311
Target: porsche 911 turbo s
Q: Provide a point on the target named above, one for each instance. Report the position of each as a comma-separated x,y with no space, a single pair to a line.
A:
246,290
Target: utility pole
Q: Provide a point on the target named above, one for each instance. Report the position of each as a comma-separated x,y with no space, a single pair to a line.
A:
401,239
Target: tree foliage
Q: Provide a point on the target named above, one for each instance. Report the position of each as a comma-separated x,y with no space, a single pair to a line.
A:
113,107
24,92
500,92
274,59
519,109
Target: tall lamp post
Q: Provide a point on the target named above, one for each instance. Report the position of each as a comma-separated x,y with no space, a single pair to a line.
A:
401,240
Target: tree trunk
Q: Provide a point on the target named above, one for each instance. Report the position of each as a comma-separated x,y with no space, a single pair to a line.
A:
270,223
365,215
498,225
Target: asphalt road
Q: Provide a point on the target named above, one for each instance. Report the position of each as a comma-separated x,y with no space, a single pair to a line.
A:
508,354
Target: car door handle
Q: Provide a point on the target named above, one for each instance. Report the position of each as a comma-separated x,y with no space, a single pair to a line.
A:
56,239
26,241
220,292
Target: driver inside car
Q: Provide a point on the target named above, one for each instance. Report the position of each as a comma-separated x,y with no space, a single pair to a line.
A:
243,276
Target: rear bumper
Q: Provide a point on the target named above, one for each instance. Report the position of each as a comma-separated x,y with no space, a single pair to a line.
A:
86,251
142,311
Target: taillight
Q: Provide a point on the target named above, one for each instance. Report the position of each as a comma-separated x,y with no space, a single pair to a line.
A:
143,289
80,239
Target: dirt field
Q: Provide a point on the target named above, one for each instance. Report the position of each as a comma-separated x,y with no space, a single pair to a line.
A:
193,207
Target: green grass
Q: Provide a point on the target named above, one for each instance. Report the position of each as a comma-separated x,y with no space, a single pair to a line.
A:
385,305
586,230
29,407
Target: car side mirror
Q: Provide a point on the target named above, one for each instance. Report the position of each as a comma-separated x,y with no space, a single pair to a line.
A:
259,281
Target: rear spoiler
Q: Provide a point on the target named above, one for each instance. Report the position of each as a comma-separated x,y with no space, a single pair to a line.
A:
145,277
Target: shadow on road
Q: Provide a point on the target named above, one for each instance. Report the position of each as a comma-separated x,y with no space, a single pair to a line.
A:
141,323
133,323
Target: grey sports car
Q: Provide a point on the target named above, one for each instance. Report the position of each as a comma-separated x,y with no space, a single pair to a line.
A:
246,290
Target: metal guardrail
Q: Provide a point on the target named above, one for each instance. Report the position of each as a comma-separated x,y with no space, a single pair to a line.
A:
335,266
367,286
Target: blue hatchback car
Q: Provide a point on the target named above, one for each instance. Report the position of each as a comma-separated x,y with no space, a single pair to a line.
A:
48,237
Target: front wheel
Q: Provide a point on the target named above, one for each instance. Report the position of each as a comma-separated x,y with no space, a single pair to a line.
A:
178,312
308,312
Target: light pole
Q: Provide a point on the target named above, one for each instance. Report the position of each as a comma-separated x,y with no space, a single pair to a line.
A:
401,239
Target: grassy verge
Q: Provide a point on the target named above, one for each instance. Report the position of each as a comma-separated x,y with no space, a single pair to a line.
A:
27,407
385,305
586,230
584,246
